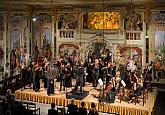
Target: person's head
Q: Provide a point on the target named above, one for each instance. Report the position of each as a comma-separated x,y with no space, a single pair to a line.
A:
63,110
9,91
92,105
72,101
52,105
82,104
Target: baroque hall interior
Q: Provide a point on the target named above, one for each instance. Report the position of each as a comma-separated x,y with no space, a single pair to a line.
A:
129,34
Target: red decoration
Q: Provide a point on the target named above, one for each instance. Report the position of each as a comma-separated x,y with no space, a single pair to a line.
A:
1,54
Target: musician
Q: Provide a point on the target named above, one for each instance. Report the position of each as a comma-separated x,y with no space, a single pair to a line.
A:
68,75
111,90
147,77
90,71
131,68
109,73
63,76
117,80
102,66
23,75
51,74
30,73
96,73
79,77
45,68
114,70
157,69
137,92
36,83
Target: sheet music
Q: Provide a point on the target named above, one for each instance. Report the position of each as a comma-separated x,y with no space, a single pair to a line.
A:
123,83
100,82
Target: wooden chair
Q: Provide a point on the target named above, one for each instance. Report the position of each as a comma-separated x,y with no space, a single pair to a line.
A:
33,108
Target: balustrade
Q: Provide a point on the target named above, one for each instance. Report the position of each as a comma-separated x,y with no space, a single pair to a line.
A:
68,33
133,35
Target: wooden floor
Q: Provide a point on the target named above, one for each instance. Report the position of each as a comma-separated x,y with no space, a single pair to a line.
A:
90,97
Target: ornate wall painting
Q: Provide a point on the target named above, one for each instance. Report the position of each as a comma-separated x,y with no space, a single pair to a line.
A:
158,19
42,30
69,49
101,20
133,21
18,32
134,52
160,46
47,37
15,39
67,21
99,48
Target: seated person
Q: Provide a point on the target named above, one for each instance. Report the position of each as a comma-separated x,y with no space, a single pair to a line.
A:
82,109
72,108
93,110
136,93
52,111
111,90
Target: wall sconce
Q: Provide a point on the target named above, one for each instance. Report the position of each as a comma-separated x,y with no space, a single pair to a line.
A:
34,19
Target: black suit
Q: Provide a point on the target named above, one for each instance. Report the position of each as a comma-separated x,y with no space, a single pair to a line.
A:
82,111
52,112
72,109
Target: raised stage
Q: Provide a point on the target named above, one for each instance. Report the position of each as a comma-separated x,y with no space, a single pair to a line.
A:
59,98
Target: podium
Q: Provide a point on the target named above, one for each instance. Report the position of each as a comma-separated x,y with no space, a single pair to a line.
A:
77,95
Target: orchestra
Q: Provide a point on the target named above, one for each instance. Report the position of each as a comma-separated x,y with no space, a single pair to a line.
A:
116,79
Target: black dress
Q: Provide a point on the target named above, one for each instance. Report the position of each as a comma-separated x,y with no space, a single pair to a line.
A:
37,80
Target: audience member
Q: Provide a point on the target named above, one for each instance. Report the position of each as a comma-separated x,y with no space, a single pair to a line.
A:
62,111
93,110
72,108
82,109
52,111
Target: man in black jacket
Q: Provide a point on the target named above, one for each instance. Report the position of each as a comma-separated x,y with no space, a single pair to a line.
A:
72,108
52,111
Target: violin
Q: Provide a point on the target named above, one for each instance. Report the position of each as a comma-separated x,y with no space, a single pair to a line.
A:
109,87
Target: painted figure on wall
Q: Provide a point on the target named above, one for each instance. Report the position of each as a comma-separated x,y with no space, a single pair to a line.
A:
100,20
132,53
67,21
133,21
13,63
68,50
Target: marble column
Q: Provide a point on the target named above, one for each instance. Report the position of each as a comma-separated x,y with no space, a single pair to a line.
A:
5,39
8,38
53,36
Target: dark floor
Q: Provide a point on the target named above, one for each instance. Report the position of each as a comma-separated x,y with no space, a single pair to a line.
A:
159,107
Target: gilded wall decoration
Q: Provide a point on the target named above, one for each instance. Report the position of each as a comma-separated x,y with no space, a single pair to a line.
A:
101,20
133,21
